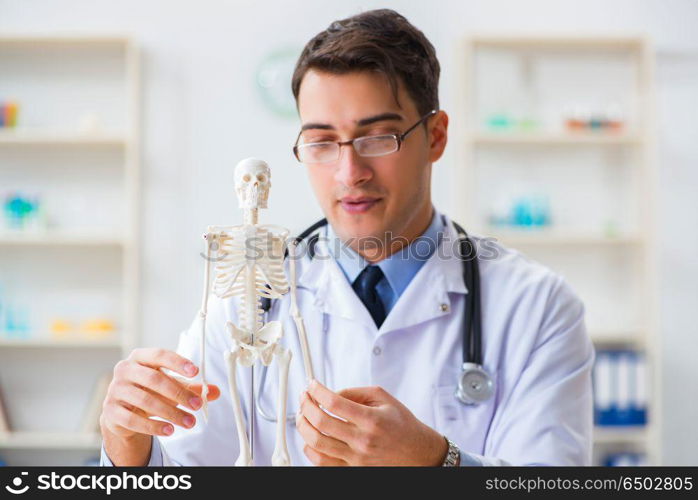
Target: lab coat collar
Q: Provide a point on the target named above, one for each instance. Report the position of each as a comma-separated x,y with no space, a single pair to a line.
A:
440,275
398,268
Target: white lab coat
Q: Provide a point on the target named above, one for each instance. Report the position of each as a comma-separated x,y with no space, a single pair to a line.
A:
535,346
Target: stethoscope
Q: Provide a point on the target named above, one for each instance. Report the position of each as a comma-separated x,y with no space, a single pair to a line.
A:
475,385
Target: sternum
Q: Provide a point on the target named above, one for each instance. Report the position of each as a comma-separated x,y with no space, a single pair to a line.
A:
252,303
251,300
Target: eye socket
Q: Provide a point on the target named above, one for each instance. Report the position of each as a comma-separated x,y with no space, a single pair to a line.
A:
246,178
261,177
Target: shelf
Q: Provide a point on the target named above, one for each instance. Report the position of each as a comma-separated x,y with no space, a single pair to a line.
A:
551,138
60,239
50,440
620,435
561,41
611,338
81,141
37,138
555,78
539,237
64,40
110,343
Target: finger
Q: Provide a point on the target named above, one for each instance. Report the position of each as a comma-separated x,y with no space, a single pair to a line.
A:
136,423
160,383
322,460
369,396
155,406
164,358
318,441
336,404
325,423
213,394
214,391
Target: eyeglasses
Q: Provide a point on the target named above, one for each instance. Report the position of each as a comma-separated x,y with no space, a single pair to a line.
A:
368,146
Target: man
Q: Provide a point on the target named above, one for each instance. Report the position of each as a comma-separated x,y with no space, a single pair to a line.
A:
385,319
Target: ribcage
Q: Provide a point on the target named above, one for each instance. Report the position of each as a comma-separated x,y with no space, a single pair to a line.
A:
250,258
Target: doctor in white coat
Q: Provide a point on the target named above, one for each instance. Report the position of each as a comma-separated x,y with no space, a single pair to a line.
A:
383,302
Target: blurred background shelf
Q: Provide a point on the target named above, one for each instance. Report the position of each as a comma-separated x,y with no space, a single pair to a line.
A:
620,435
619,338
75,154
530,237
111,343
551,138
57,238
34,41
50,440
39,138
556,161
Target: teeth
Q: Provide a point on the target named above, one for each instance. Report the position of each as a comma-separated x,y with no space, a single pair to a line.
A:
254,195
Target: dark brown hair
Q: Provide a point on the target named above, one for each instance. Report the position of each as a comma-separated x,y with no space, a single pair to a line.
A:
378,40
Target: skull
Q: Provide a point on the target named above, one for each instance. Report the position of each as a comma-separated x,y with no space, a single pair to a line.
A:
252,183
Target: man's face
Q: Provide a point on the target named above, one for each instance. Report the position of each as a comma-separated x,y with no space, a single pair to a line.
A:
368,197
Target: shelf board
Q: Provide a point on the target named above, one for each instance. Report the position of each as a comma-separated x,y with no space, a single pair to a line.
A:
620,435
40,440
558,41
66,39
609,338
552,138
110,343
41,138
540,237
51,238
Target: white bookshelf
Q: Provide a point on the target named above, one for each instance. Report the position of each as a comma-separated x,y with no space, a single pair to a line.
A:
91,249
611,170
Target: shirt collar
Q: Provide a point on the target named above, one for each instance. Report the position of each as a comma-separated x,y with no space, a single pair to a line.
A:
400,267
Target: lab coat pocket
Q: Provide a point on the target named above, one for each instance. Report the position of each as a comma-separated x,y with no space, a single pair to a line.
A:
466,425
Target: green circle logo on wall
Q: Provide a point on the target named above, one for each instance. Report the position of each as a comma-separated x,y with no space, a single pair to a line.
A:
273,80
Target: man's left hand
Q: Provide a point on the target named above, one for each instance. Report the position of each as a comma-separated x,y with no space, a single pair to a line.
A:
375,429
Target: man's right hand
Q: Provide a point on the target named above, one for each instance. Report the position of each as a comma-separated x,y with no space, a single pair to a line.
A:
139,390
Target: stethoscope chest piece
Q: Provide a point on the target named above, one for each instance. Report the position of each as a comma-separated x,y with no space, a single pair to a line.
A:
475,385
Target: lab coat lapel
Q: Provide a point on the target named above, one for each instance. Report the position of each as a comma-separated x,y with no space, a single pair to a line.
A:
333,292
426,297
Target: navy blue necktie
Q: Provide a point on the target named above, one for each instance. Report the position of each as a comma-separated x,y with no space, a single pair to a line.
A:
365,288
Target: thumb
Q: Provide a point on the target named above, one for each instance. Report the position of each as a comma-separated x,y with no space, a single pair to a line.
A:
214,391
369,396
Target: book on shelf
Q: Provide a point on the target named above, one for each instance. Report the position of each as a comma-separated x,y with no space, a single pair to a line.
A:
90,421
620,388
4,419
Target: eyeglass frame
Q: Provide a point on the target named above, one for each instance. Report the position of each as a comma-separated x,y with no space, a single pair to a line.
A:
399,138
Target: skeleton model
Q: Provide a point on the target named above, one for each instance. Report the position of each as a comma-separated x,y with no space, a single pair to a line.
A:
249,265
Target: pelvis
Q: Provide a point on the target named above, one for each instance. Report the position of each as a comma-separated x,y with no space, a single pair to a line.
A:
264,345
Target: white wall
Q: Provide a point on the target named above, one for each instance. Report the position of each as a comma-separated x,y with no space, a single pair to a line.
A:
202,113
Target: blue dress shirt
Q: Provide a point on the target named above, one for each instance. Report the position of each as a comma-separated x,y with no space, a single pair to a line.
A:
398,268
